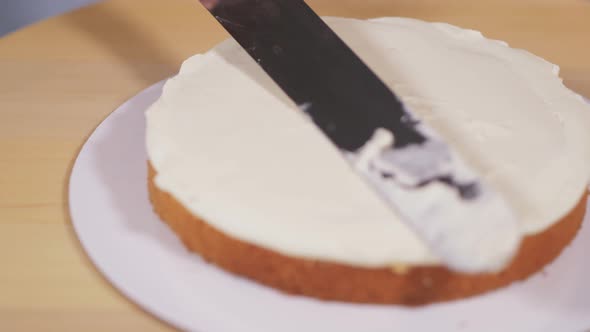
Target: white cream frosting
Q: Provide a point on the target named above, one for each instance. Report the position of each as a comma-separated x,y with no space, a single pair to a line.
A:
233,149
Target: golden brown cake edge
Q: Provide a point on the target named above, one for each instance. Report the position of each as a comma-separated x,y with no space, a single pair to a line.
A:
417,285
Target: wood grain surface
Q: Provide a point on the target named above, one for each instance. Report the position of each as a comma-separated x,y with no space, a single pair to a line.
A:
61,77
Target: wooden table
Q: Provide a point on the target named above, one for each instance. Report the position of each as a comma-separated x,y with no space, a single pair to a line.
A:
61,77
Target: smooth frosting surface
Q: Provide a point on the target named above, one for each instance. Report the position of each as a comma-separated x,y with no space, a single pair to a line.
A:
232,148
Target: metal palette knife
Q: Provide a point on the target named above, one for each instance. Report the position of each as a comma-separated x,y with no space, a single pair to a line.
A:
466,224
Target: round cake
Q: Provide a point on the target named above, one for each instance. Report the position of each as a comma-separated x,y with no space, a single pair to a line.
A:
246,180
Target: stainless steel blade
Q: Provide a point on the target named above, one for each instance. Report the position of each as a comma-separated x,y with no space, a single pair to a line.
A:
465,223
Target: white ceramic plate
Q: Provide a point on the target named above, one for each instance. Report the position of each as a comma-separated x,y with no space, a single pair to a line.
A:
145,261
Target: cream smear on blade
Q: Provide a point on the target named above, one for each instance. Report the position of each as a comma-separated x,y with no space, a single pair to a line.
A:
253,167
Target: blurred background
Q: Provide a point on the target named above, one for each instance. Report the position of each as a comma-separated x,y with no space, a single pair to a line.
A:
15,14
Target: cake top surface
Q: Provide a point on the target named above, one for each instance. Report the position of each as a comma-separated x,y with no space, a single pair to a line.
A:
229,145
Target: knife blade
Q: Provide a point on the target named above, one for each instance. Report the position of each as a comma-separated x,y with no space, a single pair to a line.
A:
464,222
